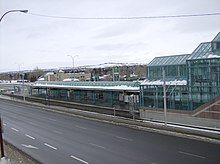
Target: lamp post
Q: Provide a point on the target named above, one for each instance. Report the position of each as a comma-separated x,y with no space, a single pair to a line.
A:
164,98
1,124
21,79
10,11
23,11
1,139
73,59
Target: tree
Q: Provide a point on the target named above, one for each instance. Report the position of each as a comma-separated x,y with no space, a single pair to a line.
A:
35,74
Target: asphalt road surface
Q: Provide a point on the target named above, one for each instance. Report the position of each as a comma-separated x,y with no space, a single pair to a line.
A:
54,138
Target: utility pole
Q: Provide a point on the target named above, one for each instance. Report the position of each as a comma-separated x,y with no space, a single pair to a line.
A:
1,139
73,62
23,86
164,98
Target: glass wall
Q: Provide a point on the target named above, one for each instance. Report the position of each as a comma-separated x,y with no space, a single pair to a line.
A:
204,80
177,97
171,71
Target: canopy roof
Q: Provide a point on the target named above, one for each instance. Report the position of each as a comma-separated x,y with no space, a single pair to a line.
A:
169,60
91,85
217,37
204,50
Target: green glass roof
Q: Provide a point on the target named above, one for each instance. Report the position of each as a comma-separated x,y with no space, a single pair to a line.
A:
202,51
169,60
217,37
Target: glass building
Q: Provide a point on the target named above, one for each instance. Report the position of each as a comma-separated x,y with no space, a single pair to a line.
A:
191,79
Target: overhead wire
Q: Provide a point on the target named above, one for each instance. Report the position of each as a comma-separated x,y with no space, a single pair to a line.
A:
127,18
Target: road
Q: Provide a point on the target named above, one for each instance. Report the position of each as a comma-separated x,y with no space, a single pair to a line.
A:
57,138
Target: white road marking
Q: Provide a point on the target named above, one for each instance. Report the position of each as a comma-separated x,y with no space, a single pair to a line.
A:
58,132
15,129
4,124
29,146
32,123
52,119
123,138
102,147
190,154
46,144
29,136
78,159
80,127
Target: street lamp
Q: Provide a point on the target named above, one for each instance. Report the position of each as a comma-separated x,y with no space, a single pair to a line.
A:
164,98
73,57
21,79
1,125
23,11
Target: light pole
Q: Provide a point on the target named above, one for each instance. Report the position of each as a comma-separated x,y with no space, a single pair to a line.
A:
73,57
1,125
164,98
23,11
21,79
19,70
10,11
1,139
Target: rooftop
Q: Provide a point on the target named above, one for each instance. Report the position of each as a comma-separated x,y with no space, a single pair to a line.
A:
217,37
92,85
204,50
169,60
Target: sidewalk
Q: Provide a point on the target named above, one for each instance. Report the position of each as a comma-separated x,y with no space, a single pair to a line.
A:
15,156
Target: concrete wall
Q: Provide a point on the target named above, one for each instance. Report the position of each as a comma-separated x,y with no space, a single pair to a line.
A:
179,118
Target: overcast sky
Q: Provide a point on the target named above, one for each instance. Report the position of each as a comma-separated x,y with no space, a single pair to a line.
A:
33,41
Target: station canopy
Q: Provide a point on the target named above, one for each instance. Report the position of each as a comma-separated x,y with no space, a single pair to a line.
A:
91,85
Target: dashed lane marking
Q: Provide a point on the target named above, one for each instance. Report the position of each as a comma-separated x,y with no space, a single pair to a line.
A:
33,123
15,129
191,154
29,136
29,146
58,132
102,147
123,138
81,127
50,146
78,159
51,119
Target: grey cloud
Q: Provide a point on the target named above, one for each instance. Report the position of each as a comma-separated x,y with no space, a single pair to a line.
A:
120,28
